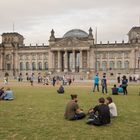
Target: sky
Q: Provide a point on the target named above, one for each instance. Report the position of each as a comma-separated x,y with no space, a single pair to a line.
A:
34,19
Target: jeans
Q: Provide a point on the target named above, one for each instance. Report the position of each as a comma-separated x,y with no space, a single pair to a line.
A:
96,85
79,116
104,88
125,90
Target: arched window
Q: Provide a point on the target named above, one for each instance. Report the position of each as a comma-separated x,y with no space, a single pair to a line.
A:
104,65
27,66
21,65
126,64
8,57
111,64
104,55
46,66
40,66
119,64
33,66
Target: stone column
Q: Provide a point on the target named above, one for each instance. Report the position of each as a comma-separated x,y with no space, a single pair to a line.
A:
137,58
3,63
51,61
81,61
59,62
0,61
88,60
13,63
115,65
123,60
36,63
132,59
42,60
16,61
74,59
108,66
66,62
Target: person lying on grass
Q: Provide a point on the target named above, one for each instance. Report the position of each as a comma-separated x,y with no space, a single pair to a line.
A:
73,112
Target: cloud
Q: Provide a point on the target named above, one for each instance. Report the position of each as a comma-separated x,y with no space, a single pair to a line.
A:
35,19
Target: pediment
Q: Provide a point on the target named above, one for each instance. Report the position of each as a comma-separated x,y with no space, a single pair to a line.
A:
70,42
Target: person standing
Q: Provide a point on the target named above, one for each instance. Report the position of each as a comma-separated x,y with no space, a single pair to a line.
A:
118,79
104,84
124,85
54,80
96,82
32,79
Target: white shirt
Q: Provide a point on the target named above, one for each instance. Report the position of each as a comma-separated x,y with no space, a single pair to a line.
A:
113,110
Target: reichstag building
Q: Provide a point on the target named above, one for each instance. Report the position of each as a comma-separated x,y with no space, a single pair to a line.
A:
76,52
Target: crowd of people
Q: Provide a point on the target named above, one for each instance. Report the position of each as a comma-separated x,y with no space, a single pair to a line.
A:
47,79
98,115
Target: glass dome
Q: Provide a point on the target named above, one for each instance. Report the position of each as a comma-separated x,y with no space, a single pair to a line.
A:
75,33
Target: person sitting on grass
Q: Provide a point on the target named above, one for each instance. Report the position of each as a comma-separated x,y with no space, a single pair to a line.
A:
2,93
114,90
8,94
61,89
120,89
73,112
112,107
100,114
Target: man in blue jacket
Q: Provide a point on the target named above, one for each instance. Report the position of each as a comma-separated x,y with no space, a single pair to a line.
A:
96,82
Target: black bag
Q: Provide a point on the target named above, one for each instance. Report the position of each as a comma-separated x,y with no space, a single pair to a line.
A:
94,120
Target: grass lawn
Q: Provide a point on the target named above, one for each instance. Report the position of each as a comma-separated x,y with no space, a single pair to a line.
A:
37,114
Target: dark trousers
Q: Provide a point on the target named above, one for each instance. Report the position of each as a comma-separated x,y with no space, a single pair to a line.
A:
78,116
96,85
95,120
125,90
60,92
104,88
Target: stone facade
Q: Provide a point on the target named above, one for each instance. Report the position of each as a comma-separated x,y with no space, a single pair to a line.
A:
75,52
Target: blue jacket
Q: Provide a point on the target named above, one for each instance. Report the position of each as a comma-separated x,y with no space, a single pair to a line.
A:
8,95
96,79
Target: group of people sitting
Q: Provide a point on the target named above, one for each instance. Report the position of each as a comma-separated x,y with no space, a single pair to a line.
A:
116,90
99,115
6,94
